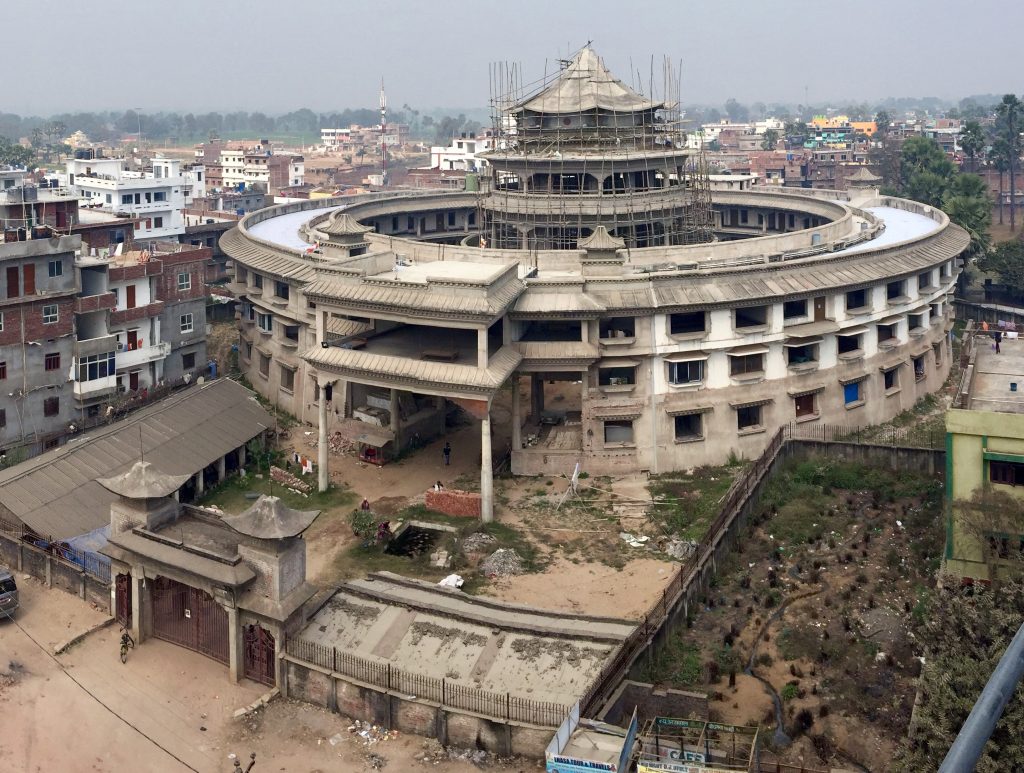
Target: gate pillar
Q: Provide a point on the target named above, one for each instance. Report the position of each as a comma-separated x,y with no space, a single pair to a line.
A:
138,585
236,663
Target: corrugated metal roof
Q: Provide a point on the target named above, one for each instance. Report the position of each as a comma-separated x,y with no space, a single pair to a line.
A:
56,494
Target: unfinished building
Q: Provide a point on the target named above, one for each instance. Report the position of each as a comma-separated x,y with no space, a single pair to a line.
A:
637,321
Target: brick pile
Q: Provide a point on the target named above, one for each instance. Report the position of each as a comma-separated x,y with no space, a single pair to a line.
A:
285,478
453,502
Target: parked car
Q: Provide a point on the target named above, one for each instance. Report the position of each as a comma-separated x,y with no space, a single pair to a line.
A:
8,593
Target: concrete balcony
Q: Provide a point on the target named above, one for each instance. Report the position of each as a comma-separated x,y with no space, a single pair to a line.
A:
101,344
98,387
132,358
139,312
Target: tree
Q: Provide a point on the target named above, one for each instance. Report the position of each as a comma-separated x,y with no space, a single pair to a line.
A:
973,141
13,154
1008,128
883,121
1007,262
967,204
925,173
771,140
738,113
966,630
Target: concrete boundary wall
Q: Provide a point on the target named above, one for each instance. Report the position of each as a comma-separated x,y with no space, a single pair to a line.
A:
22,557
409,713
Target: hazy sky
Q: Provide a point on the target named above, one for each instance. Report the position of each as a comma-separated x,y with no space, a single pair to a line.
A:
279,55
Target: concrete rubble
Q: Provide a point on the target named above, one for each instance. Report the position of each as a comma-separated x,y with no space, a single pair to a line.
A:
503,562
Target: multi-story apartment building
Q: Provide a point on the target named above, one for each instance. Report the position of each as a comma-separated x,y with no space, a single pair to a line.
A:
24,204
462,153
155,197
159,317
248,164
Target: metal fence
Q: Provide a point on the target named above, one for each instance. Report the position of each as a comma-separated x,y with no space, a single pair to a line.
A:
911,436
93,564
445,692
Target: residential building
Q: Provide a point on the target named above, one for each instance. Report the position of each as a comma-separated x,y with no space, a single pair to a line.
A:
985,461
156,197
464,154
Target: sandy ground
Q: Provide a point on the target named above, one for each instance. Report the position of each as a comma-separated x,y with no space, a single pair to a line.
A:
167,709
589,589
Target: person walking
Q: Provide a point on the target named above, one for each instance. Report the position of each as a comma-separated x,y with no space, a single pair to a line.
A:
999,339
447,453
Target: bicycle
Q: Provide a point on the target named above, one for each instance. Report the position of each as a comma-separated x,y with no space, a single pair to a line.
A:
126,642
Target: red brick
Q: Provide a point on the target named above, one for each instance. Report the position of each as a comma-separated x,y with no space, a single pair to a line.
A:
453,502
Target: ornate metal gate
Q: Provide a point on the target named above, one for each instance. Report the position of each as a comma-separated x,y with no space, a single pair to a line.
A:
190,617
259,655
123,600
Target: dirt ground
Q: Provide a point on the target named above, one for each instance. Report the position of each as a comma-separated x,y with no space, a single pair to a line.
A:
820,603
167,709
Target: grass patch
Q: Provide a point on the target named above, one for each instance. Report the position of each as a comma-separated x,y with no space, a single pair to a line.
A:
687,504
231,495
678,664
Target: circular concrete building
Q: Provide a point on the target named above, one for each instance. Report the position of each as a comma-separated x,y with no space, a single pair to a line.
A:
644,318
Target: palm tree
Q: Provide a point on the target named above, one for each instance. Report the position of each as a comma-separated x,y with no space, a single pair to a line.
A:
972,140
1008,115
997,160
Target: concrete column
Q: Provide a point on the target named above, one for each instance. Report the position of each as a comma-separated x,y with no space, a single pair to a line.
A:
236,665
536,397
585,331
200,483
222,469
482,355
322,448
242,456
486,473
396,420
517,419
138,588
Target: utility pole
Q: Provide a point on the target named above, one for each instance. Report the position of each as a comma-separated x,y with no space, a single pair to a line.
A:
383,132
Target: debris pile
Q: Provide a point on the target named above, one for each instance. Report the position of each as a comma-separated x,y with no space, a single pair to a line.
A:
285,478
369,734
337,444
681,549
478,542
503,562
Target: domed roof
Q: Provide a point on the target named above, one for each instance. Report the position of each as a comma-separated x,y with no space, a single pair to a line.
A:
270,518
602,240
343,224
143,481
586,84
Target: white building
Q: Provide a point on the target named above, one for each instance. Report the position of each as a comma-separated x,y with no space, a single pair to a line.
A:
462,154
155,197
332,139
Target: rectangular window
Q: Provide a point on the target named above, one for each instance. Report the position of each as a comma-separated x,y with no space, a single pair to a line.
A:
50,314
917,321
287,378
689,372
924,280
852,393
618,431
745,364
52,361
248,350
96,366
687,323
159,196
281,290
616,376
188,361
3,371
856,299
264,365
794,309
937,349
1,322
748,417
849,344
257,281
895,290
51,406
1008,473
158,222
919,368
752,316
689,427
886,334
891,379
126,198
617,327
55,268
805,405
801,355
3,417
184,281
186,323
265,322
291,332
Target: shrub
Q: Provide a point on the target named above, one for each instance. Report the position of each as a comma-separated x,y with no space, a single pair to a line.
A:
789,692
